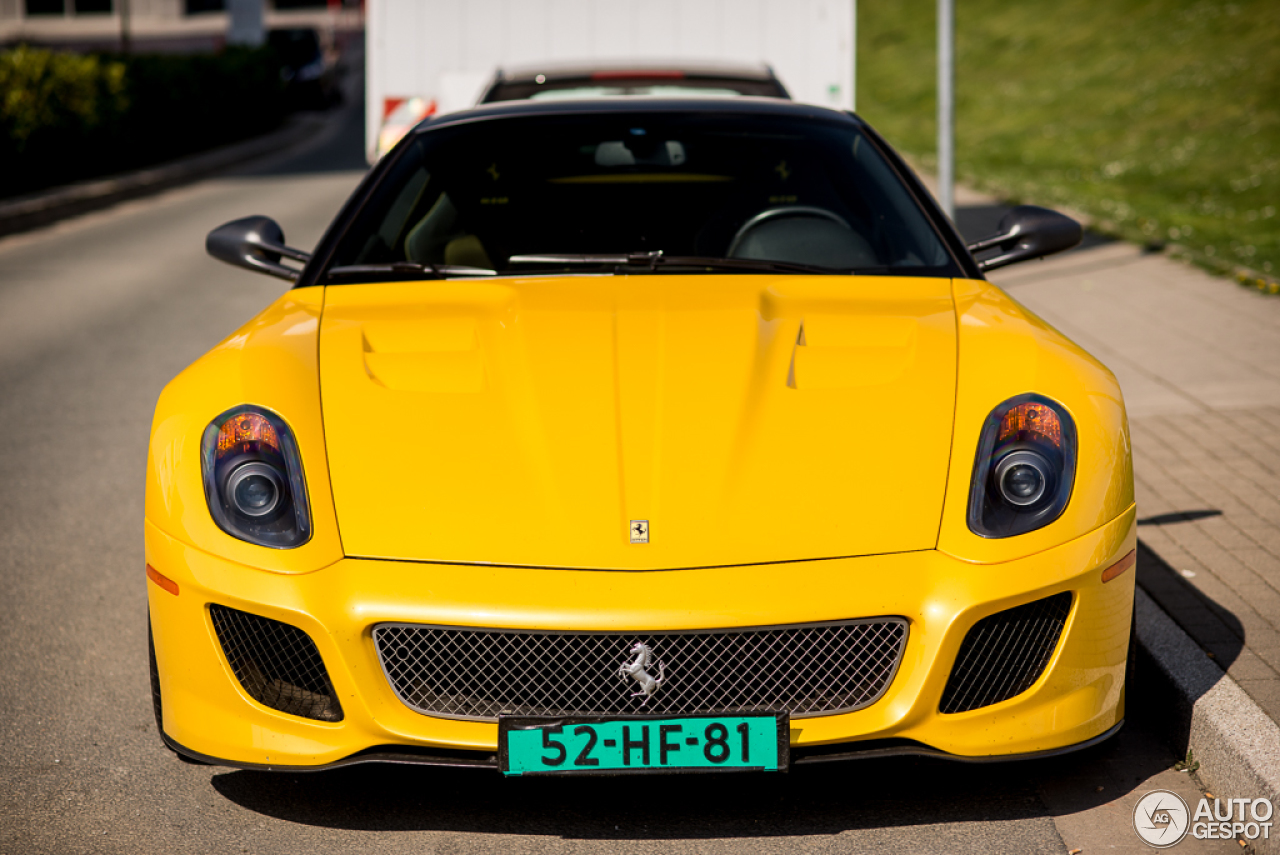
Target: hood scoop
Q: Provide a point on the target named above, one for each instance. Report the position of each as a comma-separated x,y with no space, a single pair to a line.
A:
428,355
851,351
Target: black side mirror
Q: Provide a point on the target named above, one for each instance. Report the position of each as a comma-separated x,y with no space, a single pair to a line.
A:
254,243
1027,232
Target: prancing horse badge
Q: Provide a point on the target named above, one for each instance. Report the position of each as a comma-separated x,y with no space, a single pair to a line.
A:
639,531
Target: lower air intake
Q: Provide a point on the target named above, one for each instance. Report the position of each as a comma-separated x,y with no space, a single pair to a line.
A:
1004,654
277,664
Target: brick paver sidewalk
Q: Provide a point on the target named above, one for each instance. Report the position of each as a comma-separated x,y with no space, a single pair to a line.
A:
1198,358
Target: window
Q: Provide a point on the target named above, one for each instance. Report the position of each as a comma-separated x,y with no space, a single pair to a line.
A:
46,7
721,186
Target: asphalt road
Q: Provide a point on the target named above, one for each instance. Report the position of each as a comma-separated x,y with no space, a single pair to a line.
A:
96,314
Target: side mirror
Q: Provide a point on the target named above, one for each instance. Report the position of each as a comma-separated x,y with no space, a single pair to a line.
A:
254,243
1028,232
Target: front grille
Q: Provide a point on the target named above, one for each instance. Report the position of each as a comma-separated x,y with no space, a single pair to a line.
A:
277,664
1004,654
815,669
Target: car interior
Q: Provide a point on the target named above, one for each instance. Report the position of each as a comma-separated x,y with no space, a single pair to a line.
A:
475,200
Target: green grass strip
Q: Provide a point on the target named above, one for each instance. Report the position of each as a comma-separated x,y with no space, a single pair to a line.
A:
1160,119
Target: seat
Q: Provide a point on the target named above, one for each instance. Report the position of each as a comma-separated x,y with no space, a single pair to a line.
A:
467,251
438,237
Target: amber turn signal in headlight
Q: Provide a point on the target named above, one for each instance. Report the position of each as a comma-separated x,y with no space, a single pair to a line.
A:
246,428
1024,468
253,478
1038,421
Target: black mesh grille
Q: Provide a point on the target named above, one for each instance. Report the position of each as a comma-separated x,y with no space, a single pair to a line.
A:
277,664
815,669
1004,654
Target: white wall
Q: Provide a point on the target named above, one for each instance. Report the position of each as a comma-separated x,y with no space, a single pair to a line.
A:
414,44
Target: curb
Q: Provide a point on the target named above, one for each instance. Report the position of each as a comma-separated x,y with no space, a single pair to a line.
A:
1236,744
49,206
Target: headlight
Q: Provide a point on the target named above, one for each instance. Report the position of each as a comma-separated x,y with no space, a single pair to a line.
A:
1025,466
1023,478
253,478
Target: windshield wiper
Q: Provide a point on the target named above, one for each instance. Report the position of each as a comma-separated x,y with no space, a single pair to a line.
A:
412,268
654,260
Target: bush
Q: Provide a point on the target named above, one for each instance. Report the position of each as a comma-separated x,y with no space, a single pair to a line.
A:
57,93
65,117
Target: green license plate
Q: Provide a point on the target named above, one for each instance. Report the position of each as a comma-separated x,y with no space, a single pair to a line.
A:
614,745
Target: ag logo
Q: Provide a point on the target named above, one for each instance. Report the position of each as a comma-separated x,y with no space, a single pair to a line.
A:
1161,818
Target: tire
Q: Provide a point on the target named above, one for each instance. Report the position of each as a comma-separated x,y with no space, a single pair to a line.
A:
1131,664
156,705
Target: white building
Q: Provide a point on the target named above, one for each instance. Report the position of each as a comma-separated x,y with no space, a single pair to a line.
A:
158,25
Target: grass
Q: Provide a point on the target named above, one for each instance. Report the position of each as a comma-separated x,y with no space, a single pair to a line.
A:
1159,119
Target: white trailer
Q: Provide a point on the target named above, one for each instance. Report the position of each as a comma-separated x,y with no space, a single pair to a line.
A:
444,51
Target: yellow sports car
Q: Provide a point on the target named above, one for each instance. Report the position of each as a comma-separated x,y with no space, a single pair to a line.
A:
632,435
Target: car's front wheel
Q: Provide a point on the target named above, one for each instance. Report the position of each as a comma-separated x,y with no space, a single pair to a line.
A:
155,680
1131,663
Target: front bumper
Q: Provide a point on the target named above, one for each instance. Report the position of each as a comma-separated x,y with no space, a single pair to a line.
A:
1078,699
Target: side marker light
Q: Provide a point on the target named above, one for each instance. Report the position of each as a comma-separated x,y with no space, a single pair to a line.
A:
1120,566
163,581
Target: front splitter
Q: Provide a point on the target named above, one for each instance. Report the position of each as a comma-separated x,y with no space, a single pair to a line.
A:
404,755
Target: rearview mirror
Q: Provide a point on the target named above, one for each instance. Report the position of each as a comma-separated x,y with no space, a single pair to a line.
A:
1027,232
254,243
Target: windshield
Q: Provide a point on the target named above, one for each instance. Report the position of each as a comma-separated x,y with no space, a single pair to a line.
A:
496,194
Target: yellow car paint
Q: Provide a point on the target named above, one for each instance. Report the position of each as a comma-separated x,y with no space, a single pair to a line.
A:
1005,350
747,418
782,403
1078,697
271,361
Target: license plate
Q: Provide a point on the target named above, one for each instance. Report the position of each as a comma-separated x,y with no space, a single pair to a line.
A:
620,745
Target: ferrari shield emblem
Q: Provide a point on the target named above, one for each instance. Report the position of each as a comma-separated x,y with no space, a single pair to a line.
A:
639,531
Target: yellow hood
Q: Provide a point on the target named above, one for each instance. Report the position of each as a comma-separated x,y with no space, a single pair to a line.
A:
745,418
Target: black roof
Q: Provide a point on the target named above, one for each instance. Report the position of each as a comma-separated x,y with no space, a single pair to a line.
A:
585,70
741,105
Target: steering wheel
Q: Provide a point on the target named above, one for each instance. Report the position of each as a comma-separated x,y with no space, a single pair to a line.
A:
802,234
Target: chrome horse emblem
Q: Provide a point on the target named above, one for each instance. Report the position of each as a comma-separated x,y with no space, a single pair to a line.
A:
635,669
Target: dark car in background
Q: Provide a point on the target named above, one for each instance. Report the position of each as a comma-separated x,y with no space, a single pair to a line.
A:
309,70
606,81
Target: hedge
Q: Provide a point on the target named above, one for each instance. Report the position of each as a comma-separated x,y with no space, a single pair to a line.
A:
66,117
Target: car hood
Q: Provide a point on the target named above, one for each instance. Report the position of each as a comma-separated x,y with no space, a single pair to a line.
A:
743,418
